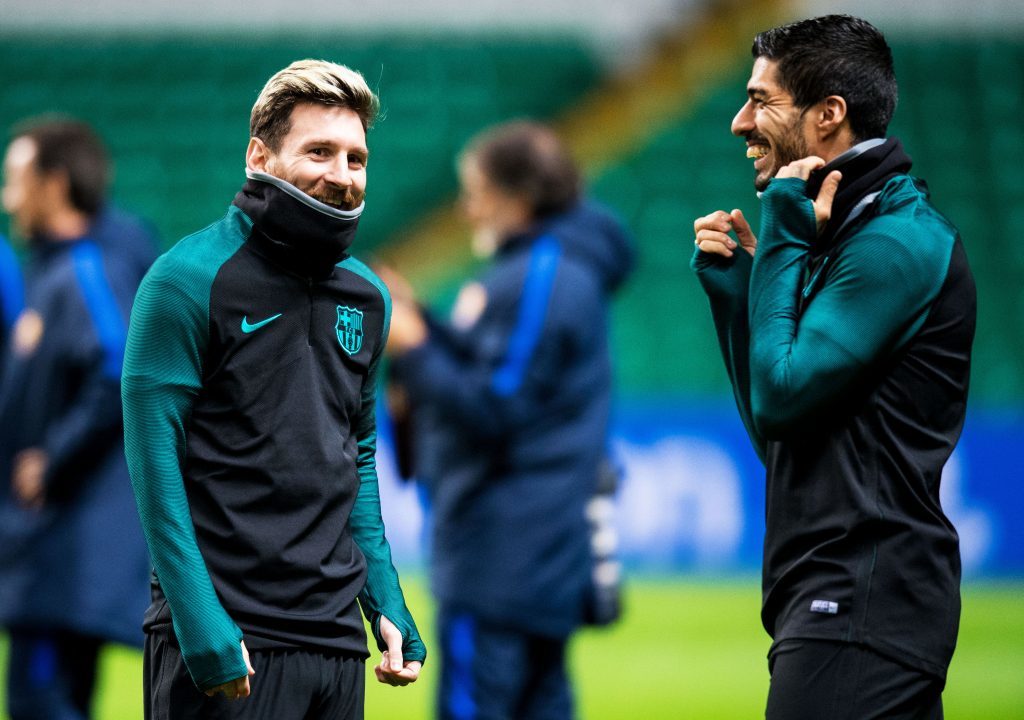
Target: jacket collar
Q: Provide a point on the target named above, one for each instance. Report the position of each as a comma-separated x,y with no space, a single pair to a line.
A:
302,234
866,168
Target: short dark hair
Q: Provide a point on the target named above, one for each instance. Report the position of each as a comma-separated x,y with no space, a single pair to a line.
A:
835,55
527,158
70,146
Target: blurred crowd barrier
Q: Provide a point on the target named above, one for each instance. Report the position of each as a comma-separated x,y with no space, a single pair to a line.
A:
692,495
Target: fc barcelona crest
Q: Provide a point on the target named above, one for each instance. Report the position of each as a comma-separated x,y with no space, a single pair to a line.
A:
350,329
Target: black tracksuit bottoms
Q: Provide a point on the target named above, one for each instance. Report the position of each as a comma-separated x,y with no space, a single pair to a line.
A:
289,684
817,679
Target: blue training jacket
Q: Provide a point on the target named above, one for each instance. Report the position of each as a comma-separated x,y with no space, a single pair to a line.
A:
511,412
79,563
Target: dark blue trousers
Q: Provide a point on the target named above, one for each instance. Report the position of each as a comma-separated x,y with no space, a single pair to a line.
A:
491,672
51,674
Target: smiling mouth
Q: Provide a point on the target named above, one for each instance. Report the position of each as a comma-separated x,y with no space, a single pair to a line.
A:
757,151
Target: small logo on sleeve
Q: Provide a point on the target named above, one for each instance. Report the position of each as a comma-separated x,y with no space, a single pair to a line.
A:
824,606
248,327
349,329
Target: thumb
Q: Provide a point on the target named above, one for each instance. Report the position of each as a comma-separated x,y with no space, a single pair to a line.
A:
823,204
743,232
394,651
245,656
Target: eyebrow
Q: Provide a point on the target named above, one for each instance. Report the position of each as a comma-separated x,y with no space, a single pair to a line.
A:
756,93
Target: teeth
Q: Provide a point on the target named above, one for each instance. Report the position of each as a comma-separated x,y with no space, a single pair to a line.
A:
756,151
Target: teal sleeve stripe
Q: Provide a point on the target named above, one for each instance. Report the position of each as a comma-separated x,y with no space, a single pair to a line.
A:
382,595
167,339
101,305
876,295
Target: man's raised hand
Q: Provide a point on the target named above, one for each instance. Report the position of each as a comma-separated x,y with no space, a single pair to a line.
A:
802,169
711,233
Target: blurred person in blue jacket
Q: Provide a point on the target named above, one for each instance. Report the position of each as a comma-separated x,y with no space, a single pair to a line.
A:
510,402
73,566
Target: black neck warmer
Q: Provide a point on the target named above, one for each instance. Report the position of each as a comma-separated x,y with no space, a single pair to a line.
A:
300,233
865,171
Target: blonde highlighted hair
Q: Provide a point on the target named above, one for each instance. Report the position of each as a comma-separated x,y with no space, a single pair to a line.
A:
314,81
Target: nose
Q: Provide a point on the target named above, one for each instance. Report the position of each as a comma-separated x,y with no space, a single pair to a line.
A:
339,173
743,123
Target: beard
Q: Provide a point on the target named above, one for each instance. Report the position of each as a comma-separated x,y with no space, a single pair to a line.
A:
340,198
347,199
788,147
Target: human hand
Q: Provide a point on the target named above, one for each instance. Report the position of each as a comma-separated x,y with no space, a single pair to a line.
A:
802,169
711,233
392,670
239,687
399,286
408,328
27,478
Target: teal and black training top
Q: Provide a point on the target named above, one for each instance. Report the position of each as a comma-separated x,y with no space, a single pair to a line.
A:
849,354
249,389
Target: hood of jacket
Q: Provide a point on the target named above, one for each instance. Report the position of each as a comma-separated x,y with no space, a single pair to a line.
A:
590,233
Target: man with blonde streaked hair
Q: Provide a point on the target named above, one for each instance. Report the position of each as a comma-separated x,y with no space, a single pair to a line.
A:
249,393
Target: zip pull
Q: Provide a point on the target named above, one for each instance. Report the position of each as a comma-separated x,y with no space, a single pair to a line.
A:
813,280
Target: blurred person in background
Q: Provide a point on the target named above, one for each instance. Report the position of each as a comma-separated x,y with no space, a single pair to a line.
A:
73,567
249,394
511,402
846,327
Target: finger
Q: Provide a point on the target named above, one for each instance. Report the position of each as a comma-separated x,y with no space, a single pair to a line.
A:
226,689
828,192
411,671
801,168
384,674
714,236
715,243
743,231
242,687
718,220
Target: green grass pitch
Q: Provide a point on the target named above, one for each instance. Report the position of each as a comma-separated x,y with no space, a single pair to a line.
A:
686,648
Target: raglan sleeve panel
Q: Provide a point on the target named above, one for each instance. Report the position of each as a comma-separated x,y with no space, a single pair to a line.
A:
874,296
726,282
382,595
167,337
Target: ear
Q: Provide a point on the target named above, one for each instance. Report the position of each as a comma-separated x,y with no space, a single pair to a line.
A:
257,155
832,116
56,187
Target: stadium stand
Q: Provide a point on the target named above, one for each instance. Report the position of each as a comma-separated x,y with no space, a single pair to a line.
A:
174,108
